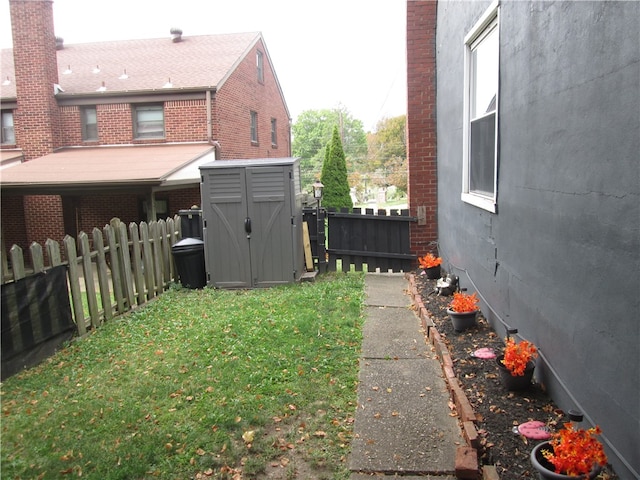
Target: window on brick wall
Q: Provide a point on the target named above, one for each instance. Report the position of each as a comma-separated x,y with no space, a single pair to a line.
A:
89,121
161,209
274,132
254,127
260,66
148,121
7,132
480,128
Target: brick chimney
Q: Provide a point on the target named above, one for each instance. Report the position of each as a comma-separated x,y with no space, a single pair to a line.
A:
37,118
421,123
36,67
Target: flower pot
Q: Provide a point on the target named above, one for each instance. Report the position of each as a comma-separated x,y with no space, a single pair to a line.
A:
515,382
462,320
546,470
433,273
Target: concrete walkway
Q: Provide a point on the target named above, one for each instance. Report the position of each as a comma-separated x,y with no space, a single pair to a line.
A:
404,424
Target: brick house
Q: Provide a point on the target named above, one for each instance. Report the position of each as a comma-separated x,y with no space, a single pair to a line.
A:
118,129
537,114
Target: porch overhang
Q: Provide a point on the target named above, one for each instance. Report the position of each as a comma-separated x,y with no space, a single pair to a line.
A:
117,169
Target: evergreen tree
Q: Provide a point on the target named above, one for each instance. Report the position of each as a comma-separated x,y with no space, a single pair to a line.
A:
312,133
334,175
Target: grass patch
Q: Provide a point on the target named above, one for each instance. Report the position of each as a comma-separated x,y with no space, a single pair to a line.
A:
197,382
85,303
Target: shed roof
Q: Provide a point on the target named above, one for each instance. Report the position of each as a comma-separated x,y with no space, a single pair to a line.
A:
195,62
118,167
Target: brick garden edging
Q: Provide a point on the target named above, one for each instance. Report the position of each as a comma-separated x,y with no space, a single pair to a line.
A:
466,463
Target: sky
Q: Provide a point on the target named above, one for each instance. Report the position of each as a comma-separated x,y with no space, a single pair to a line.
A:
326,53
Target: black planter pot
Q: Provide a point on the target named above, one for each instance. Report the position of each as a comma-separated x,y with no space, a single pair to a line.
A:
433,273
462,320
545,468
515,382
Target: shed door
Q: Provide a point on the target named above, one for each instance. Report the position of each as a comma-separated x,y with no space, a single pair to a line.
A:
271,243
248,232
227,248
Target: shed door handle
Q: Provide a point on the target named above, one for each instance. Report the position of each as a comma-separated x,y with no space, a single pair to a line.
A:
247,225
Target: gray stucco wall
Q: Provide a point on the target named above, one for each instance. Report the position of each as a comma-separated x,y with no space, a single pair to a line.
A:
560,260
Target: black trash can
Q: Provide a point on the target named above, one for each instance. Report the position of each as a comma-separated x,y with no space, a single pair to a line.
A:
191,222
189,256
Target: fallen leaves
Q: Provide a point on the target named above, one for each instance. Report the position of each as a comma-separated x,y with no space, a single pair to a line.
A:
170,375
284,461
248,436
497,410
282,444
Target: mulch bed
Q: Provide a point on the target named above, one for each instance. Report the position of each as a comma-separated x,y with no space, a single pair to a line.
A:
497,410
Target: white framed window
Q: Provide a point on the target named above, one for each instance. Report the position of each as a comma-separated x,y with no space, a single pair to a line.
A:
260,66
6,128
89,121
148,121
480,127
254,127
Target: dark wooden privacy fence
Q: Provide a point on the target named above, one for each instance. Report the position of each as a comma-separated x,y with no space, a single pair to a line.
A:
379,241
316,222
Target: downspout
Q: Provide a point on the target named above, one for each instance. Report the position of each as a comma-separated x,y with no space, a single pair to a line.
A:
289,135
210,125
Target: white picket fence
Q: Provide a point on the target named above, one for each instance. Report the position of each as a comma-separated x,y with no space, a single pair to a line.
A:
110,273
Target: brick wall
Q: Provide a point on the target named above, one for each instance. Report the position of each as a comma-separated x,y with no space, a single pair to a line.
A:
43,218
421,123
183,199
185,121
98,210
71,126
44,213
114,124
241,94
13,227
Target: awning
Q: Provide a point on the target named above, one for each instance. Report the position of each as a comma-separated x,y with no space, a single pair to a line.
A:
115,168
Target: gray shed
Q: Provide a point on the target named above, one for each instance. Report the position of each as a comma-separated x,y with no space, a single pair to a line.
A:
252,222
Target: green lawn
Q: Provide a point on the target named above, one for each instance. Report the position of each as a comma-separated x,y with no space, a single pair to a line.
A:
196,383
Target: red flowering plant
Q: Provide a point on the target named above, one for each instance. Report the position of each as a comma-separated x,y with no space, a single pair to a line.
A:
518,355
463,302
429,261
575,451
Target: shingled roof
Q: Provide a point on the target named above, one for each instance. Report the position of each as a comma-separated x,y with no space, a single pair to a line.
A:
195,62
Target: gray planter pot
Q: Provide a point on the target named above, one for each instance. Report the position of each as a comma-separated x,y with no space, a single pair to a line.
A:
545,469
462,320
